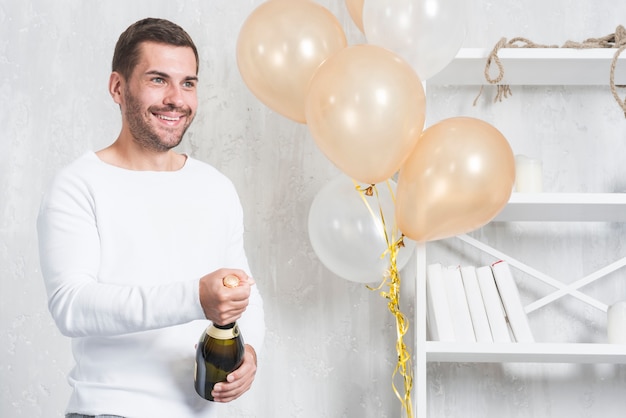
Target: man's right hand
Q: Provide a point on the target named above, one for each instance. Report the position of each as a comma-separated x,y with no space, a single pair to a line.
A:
223,305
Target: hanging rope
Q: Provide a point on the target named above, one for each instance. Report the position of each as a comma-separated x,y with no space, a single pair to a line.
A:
620,41
613,40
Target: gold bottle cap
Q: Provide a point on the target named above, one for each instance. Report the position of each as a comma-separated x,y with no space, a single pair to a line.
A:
231,281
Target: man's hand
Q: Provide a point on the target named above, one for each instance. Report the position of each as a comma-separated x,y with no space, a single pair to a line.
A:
223,305
239,381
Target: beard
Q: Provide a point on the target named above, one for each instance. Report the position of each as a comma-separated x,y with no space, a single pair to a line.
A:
145,133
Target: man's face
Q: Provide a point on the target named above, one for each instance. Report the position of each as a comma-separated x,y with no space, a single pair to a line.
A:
160,97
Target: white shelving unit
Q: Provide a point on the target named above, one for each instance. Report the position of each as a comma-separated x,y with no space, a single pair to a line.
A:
522,66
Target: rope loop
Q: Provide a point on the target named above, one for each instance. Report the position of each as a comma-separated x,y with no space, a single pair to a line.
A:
613,40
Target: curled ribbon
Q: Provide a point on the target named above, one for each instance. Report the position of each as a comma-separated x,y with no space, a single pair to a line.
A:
392,278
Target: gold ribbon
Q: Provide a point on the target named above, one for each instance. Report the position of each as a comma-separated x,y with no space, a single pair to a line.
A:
403,367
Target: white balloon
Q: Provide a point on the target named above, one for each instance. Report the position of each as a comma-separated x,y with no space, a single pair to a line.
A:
426,33
347,239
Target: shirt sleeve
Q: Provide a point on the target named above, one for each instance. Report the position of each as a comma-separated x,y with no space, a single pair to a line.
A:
69,251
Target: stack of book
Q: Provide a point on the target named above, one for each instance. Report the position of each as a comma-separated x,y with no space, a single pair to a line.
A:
475,304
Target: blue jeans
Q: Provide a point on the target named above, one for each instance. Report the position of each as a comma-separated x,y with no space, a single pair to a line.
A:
91,416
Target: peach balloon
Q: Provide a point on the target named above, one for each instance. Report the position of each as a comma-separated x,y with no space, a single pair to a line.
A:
365,111
280,45
458,178
355,9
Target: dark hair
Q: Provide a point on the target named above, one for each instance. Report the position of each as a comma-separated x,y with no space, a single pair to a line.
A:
159,31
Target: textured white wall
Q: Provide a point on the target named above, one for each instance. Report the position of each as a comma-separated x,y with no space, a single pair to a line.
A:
329,350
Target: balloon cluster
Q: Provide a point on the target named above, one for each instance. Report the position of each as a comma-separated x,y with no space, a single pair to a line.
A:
364,106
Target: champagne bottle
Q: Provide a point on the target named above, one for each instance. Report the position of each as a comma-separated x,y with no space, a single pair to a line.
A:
219,352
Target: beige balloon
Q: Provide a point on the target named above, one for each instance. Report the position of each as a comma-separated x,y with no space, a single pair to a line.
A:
365,110
458,178
355,9
280,45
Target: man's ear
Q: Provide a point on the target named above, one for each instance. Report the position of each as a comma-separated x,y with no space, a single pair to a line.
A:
115,87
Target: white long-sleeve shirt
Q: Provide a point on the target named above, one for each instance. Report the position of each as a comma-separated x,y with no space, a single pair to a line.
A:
122,253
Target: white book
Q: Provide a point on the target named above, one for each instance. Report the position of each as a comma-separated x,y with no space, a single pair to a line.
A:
439,319
476,305
459,309
512,302
493,305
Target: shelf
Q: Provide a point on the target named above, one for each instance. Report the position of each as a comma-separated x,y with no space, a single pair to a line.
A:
564,207
535,66
525,352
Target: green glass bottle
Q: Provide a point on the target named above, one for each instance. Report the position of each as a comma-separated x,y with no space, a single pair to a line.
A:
219,352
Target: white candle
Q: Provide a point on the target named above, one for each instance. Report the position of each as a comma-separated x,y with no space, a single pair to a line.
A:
528,174
616,323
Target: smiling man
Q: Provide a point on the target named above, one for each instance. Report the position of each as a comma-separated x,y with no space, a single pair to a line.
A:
135,241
